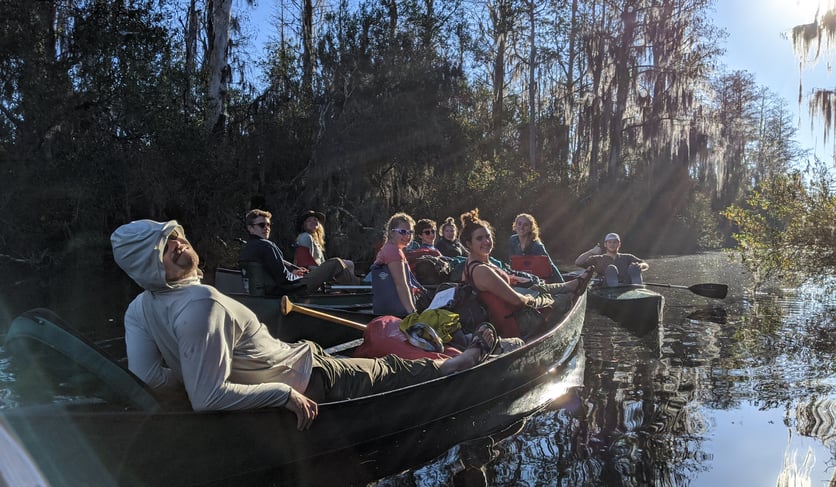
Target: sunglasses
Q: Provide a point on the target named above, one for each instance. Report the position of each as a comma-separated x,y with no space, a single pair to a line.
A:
428,232
403,231
261,224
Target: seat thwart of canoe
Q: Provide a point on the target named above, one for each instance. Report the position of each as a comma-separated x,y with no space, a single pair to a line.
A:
342,347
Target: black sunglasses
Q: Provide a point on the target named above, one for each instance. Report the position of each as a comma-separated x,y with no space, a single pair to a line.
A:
261,224
429,232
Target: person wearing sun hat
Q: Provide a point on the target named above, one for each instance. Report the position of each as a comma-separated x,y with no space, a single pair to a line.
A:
310,243
264,262
615,267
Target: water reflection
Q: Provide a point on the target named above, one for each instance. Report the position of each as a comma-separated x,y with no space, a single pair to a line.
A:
740,390
713,314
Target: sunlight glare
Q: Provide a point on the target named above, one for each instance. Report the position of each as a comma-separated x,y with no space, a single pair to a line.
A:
805,7
796,11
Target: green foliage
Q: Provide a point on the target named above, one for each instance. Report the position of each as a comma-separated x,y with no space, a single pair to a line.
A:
101,123
787,226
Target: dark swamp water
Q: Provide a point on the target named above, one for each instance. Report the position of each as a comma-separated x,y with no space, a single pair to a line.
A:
740,391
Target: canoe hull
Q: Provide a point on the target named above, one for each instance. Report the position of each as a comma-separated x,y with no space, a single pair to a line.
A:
636,308
95,443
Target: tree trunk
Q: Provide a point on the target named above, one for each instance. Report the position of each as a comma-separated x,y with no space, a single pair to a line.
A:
532,128
307,48
191,54
569,98
623,64
501,16
218,70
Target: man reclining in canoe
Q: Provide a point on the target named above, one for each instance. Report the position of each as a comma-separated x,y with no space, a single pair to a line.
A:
181,333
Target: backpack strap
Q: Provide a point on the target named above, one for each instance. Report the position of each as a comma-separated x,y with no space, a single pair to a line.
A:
469,268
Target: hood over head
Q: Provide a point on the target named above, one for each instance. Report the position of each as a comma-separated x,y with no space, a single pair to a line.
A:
138,249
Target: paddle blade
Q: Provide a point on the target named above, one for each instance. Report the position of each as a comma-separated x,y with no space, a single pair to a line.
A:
717,291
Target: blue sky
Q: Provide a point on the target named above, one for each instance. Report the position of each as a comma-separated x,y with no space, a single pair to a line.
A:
755,44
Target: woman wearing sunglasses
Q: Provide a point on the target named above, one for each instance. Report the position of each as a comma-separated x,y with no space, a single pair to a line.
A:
394,287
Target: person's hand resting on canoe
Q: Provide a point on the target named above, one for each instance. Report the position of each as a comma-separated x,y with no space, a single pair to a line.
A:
304,408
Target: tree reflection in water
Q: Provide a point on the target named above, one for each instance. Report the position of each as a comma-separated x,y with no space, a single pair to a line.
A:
654,411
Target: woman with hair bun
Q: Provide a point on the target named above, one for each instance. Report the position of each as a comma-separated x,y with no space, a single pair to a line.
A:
495,285
448,243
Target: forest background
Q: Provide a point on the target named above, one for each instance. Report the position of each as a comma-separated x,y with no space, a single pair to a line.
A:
592,115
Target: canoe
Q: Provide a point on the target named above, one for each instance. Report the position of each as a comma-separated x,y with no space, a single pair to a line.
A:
228,281
124,435
350,305
296,326
634,307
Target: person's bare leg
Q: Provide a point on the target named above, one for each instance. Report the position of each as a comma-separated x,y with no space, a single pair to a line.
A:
469,357
466,360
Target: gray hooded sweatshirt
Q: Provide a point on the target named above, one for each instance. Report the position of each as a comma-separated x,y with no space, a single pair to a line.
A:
187,334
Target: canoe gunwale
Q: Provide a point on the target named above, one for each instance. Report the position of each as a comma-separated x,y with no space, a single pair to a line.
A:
182,445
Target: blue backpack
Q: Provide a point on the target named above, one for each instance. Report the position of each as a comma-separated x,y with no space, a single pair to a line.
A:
385,299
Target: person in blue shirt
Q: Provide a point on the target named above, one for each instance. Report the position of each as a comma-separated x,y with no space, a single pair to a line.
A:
526,241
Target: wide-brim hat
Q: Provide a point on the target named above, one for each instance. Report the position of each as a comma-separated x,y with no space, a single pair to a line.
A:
309,213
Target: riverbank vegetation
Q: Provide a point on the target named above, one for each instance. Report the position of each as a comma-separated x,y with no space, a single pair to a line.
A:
594,116
785,228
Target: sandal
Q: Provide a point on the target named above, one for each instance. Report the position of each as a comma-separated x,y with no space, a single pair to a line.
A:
583,282
486,345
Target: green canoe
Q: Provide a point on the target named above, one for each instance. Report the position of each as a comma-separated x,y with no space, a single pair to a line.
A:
634,307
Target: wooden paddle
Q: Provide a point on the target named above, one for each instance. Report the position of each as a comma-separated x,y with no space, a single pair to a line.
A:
288,306
717,291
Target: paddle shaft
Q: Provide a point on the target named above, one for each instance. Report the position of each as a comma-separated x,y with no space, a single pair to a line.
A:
349,287
677,286
288,306
709,290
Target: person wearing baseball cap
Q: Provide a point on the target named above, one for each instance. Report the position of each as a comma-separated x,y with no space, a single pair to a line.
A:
615,267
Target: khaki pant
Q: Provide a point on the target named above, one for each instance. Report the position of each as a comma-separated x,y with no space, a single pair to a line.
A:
333,269
335,379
